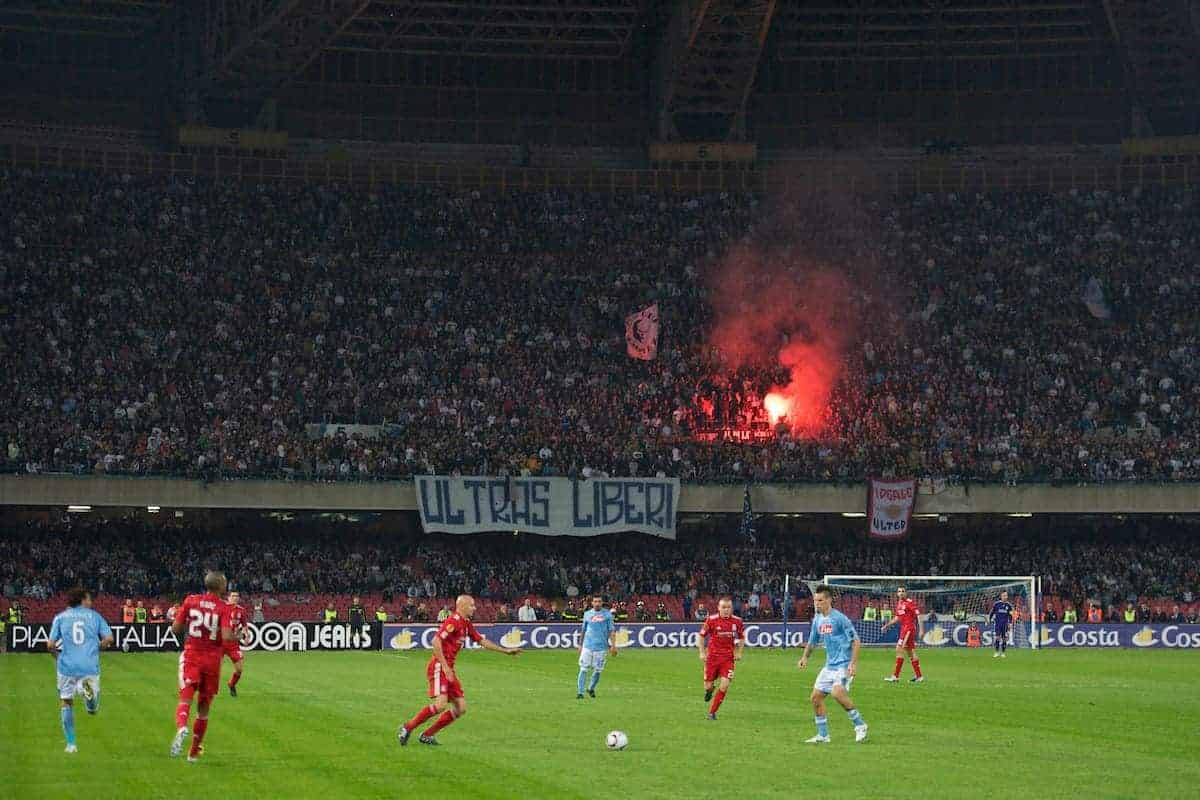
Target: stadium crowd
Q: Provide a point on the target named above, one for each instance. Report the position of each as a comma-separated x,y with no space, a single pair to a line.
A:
1133,562
159,326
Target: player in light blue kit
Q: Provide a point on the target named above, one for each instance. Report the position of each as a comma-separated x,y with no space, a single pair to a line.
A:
841,663
599,639
76,636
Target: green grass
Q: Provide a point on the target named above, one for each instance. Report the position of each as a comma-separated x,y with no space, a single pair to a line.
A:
1085,724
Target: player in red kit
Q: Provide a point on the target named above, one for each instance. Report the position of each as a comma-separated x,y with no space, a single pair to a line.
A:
909,617
237,621
722,639
444,686
204,620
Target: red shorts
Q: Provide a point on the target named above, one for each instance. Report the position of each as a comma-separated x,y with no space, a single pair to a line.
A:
908,638
202,673
438,684
720,667
233,650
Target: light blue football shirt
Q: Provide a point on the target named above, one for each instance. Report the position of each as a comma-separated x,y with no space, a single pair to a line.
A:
837,632
79,630
597,625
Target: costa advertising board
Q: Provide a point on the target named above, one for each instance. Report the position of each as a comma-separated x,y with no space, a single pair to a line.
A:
568,636
287,636
1120,635
1058,635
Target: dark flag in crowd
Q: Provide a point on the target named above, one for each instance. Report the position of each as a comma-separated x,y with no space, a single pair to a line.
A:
641,334
1093,298
747,527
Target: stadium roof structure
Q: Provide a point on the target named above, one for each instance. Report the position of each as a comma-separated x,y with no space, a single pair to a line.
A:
701,59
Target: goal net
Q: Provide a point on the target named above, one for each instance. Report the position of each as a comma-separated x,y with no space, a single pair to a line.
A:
948,606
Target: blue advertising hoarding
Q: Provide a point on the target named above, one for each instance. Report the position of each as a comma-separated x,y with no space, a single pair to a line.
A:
567,636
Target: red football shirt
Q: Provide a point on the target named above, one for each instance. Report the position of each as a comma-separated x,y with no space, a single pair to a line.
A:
204,615
722,633
238,620
906,612
452,633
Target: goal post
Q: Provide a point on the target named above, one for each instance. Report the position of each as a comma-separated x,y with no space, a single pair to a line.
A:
956,601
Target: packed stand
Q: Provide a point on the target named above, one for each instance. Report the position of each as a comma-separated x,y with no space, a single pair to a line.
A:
197,328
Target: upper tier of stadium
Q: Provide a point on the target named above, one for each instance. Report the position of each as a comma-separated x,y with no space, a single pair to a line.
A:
189,327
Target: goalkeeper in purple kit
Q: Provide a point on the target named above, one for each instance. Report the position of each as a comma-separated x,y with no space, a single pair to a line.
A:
1001,618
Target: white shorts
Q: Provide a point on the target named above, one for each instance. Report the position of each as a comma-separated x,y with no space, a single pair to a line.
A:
830,677
593,659
68,686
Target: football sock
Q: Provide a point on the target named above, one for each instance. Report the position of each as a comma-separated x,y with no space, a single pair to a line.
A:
181,714
233,679
855,717
916,662
899,666
716,703
582,680
822,726
198,729
448,716
1003,645
996,644
68,723
595,679
422,715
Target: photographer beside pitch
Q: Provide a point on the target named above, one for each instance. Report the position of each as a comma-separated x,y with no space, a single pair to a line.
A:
444,686
842,646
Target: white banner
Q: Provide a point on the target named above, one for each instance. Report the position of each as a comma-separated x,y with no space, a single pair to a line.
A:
890,507
641,334
550,506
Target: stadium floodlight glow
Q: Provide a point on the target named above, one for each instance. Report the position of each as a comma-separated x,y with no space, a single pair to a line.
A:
78,509
854,514
1022,514
154,509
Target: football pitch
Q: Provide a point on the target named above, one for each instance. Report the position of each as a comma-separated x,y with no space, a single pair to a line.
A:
1082,723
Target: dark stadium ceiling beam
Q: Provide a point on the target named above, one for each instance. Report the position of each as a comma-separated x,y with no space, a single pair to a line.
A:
252,47
1159,43
865,30
117,19
499,29
708,60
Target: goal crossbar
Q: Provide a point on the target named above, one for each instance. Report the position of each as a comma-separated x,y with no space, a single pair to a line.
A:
976,589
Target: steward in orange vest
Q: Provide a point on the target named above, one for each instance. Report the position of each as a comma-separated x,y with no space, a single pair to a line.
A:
973,637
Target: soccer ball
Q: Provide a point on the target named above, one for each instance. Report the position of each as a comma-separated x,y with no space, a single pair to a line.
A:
616,740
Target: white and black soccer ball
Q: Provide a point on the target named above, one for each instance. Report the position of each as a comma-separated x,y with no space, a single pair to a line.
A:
616,740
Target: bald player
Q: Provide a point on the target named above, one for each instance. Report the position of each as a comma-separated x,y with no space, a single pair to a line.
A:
444,686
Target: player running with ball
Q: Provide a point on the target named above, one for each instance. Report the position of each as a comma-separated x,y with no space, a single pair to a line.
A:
836,631
599,632
444,686
728,639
